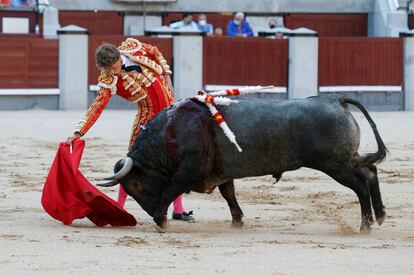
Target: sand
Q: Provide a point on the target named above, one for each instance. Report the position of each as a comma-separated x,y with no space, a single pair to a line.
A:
305,224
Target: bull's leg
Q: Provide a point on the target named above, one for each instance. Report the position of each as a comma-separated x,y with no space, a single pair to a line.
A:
227,191
349,178
370,175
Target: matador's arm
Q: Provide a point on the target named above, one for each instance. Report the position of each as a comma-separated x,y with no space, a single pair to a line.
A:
94,111
159,58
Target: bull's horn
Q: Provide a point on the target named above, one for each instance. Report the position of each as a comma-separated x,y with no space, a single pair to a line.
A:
109,184
128,163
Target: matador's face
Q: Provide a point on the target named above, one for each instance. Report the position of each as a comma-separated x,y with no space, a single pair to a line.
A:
115,69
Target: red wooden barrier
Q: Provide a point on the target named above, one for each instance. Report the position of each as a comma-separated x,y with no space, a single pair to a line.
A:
241,61
102,22
360,61
330,24
28,62
24,14
163,44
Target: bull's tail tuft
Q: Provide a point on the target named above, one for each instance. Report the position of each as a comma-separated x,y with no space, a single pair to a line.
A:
370,158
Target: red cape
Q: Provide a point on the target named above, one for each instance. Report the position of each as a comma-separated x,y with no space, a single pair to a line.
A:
68,195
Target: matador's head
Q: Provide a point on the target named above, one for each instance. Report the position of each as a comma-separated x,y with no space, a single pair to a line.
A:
108,58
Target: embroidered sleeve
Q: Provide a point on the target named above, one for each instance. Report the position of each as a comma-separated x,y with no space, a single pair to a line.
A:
94,111
159,58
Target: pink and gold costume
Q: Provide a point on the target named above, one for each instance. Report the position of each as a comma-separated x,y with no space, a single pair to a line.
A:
148,89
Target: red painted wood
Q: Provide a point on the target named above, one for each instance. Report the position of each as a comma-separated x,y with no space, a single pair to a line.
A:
99,23
360,61
28,62
23,14
241,61
330,24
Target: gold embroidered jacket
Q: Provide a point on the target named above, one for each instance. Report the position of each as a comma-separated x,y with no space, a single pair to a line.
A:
129,85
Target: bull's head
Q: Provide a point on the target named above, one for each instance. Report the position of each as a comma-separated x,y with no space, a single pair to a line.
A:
137,183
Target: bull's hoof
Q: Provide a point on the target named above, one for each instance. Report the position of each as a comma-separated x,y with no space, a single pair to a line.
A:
380,217
237,223
160,220
365,228
371,220
381,220
160,229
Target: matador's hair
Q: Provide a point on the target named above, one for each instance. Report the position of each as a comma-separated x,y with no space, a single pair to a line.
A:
106,55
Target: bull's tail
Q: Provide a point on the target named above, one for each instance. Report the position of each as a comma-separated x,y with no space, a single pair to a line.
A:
370,158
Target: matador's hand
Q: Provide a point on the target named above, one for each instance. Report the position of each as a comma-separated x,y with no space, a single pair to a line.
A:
72,138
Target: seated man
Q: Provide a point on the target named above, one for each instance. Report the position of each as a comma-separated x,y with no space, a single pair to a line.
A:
272,23
203,26
238,26
22,4
186,21
218,32
4,3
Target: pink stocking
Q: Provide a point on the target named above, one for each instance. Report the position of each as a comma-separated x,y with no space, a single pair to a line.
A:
178,205
122,196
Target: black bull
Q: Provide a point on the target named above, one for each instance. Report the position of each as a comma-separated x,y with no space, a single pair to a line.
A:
183,149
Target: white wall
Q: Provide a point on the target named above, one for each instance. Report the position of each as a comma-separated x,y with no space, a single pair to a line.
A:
134,24
386,20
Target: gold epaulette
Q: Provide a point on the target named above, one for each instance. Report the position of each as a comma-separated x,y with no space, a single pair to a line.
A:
108,81
145,61
130,46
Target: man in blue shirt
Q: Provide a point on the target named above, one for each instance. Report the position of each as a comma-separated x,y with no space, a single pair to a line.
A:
203,26
22,4
238,26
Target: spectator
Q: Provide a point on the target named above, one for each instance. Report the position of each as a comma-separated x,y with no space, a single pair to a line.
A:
218,32
42,5
272,23
4,3
238,26
279,35
203,26
186,21
22,4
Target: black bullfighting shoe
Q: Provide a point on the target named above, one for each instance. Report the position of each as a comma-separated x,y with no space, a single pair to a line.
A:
187,217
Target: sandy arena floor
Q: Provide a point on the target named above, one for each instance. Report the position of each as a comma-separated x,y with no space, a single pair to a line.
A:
305,224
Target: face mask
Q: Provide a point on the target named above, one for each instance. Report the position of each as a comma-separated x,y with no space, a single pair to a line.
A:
202,22
272,26
237,22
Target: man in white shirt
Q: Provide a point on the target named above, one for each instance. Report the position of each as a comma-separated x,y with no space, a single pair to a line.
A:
186,21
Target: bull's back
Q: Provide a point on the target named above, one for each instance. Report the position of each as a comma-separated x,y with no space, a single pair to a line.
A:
278,136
